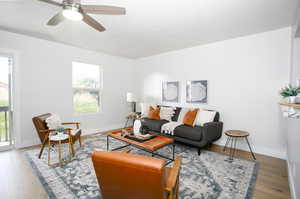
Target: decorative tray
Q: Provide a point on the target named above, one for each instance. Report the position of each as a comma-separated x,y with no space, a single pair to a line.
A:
140,138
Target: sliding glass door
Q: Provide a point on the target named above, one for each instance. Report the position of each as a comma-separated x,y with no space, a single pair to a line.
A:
6,63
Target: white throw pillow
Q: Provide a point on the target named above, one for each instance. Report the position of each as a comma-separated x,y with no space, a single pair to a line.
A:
145,109
166,113
204,116
53,122
182,113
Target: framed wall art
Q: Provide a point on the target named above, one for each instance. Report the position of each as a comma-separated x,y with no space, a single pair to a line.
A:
196,91
170,91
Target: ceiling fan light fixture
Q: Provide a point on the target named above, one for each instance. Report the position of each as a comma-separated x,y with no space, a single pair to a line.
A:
72,13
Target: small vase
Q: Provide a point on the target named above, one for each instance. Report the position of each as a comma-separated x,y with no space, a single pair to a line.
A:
136,127
292,99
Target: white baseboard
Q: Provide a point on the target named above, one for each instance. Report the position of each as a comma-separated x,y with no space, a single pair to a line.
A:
260,150
103,129
291,181
270,152
28,143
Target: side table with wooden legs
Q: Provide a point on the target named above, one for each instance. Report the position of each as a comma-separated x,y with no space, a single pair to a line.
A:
58,140
232,137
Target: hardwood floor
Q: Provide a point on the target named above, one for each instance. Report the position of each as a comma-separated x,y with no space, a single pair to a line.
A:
17,179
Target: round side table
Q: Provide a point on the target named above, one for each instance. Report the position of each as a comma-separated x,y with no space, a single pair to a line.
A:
58,140
232,137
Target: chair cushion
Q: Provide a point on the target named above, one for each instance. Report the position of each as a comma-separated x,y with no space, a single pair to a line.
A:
154,125
53,122
189,132
75,132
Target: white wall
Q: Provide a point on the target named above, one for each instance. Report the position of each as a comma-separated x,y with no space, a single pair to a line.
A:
244,76
44,84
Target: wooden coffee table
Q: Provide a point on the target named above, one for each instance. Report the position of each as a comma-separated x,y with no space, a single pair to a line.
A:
150,146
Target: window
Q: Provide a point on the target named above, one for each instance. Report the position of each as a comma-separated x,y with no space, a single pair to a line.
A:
87,85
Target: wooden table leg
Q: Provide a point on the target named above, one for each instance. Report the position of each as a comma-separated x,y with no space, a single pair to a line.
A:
70,149
80,143
59,152
49,145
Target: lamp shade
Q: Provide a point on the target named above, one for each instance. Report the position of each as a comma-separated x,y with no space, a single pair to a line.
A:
130,97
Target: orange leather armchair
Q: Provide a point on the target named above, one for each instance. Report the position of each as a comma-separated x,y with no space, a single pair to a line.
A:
129,176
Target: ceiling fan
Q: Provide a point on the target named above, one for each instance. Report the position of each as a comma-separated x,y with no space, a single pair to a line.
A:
75,11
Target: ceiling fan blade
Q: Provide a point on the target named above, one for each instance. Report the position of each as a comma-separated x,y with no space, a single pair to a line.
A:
56,19
105,10
92,22
52,2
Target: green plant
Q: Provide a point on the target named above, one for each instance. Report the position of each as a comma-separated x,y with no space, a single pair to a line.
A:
289,91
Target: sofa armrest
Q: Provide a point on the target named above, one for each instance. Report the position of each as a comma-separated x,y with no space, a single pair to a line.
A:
212,131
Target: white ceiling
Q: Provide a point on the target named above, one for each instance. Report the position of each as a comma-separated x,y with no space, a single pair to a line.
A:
151,26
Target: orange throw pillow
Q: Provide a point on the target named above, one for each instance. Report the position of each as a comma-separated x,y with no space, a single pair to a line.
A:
154,113
190,117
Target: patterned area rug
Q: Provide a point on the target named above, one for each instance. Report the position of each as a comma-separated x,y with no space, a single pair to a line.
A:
208,176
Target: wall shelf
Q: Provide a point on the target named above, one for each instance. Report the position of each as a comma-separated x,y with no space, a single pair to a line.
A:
290,105
290,110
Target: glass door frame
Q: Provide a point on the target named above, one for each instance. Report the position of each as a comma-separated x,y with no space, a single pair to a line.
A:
10,102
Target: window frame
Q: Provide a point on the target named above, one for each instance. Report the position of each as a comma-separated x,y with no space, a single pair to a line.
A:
99,90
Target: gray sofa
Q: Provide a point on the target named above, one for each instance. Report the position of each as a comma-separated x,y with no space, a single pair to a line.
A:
196,136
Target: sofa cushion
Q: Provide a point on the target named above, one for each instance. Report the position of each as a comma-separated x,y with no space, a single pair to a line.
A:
176,112
205,116
145,109
176,115
166,113
190,117
154,113
154,125
189,132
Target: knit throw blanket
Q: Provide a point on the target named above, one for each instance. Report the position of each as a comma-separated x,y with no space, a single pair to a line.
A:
169,127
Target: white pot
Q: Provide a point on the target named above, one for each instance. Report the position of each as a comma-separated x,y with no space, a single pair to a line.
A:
298,99
292,99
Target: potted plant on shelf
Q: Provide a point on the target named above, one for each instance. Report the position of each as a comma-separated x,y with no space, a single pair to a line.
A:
290,92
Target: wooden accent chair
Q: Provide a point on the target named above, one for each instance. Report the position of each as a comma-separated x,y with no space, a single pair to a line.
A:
43,132
130,176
